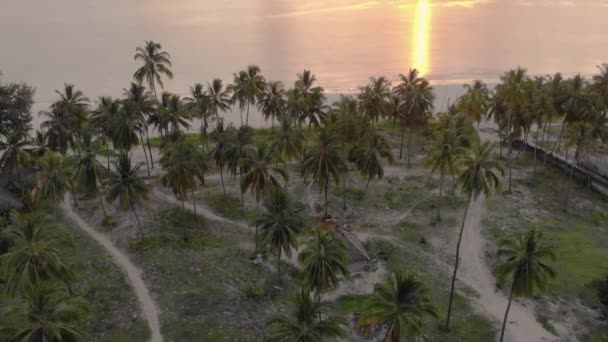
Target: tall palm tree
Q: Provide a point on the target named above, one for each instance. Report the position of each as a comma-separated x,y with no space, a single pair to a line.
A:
475,102
54,179
138,99
253,87
479,177
219,97
177,116
374,98
395,108
89,173
302,324
14,151
238,143
368,156
125,185
402,303
324,163
50,313
418,96
322,260
599,83
34,256
280,223
444,155
580,136
180,162
200,107
156,63
73,106
525,265
102,118
58,133
308,100
218,153
272,101
238,89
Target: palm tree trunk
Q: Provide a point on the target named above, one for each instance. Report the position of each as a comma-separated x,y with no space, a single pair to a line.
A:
409,148
326,203
103,207
222,179
440,193
466,210
149,148
401,146
143,147
542,139
247,119
559,139
193,201
74,197
242,193
510,152
141,232
504,321
241,110
534,169
185,231
257,205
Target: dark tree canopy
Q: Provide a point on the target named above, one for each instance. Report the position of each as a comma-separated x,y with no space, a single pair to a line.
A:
16,100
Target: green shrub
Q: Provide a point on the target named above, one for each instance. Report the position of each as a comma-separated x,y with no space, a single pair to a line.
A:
380,248
250,287
149,243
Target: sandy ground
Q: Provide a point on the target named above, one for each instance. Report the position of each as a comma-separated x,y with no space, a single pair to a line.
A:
134,277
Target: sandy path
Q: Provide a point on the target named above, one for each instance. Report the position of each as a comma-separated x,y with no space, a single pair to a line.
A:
522,325
133,273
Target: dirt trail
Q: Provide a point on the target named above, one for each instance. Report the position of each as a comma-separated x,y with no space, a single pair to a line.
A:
134,278
522,325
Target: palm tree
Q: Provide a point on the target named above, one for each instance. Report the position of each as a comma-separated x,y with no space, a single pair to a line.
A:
200,107
138,99
253,87
475,102
34,256
402,303
418,96
443,155
322,260
525,265
54,179
280,223
599,84
308,101
238,142
127,186
272,101
175,114
579,135
323,163
156,63
102,118
479,176
237,89
368,156
288,141
219,98
89,173
303,323
50,314
73,106
218,153
374,98
14,151
395,108
58,134
180,162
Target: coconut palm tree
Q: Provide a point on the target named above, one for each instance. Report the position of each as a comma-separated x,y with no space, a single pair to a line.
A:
73,106
475,102
180,162
138,100
307,101
322,260
374,98
280,223
525,266
58,134
325,162
599,83
50,313
39,145
272,101
102,118
15,151
156,63
580,136
238,89
219,98
218,153
302,324
287,141
444,155
368,156
395,108
418,96
239,142
200,107
54,179
177,116
402,303
125,185
253,87
89,173
34,256
479,177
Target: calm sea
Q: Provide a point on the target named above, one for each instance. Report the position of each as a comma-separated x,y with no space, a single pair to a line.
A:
91,43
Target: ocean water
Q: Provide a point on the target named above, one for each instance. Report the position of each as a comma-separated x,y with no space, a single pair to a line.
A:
91,43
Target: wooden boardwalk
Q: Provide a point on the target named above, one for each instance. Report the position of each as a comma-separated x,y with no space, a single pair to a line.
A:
581,173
